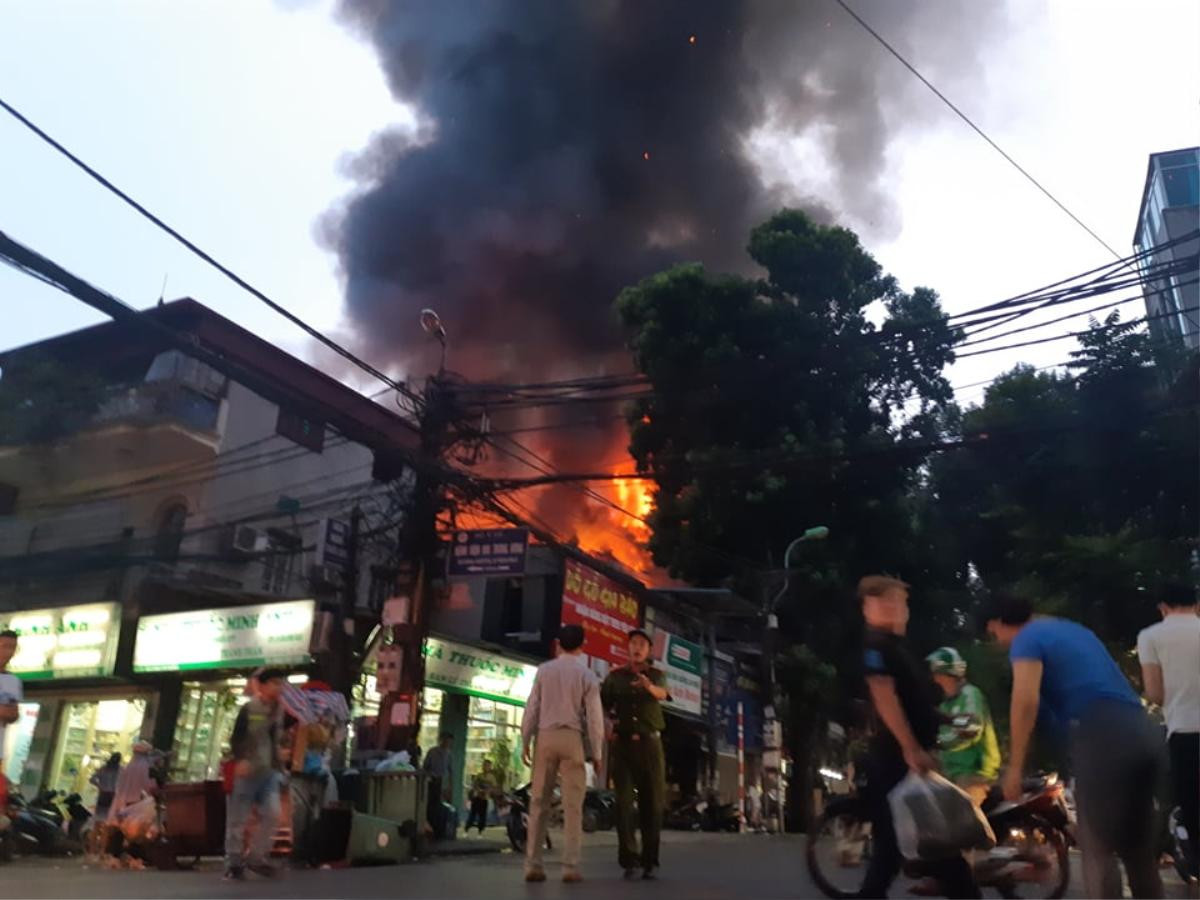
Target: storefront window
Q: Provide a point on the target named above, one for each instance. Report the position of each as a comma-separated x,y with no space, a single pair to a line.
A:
90,733
206,716
431,714
494,732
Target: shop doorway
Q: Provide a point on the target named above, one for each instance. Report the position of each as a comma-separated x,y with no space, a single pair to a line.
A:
90,732
205,724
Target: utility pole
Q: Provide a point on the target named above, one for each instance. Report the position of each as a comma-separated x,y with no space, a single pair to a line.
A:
400,710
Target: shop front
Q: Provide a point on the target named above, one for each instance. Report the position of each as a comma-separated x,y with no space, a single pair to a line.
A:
684,738
478,696
206,656
74,717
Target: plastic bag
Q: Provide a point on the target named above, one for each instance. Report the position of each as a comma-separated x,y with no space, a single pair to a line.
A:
936,820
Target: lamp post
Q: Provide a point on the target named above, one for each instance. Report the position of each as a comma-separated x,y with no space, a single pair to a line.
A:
774,730
431,322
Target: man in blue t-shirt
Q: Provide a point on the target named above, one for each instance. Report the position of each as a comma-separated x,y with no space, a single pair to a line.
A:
1061,668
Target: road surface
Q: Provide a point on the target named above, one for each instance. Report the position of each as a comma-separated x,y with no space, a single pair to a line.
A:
696,866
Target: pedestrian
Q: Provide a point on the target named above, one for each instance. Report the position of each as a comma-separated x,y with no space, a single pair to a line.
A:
905,705
256,779
308,778
1170,656
10,696
563,727
633,695
104,780
483,786
1061,669
439,768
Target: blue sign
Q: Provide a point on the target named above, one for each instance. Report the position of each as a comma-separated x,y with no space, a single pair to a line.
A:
489,551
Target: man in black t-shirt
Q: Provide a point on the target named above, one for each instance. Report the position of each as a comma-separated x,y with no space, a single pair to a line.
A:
905,701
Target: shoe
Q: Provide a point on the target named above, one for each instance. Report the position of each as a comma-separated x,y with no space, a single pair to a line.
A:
264,871
630,874
572,877
535,875
648,874
234,873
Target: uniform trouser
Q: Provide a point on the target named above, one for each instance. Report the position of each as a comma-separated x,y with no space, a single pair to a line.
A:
557,752
637,767
256,791
953,874
1118,764
1185,779
308,796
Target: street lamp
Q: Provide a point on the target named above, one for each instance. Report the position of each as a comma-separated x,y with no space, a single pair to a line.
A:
431,322
816,533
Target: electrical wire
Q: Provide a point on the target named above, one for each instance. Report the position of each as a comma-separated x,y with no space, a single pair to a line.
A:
979,131
206,257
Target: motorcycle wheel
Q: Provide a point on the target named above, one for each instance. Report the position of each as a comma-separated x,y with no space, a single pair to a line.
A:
1185,868
591,821
838,848
1040,844
518,831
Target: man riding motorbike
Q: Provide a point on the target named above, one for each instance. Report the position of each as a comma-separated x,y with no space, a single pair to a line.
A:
970,753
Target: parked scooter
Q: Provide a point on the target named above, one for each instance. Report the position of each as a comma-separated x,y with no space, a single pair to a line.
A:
518,818
708,814
36,827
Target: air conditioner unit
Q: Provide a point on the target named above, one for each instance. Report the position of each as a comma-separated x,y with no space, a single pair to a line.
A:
245,540
325,576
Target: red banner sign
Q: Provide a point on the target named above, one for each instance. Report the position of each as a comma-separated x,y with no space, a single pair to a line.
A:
606,611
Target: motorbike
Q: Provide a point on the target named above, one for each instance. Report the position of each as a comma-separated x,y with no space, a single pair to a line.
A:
1029,860
708,814
599,814
77,817
1178,850
36,827
518,818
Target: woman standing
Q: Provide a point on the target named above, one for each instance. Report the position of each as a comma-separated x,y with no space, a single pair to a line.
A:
105,781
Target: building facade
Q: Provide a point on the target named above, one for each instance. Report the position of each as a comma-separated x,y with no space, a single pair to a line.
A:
1168,218
166,528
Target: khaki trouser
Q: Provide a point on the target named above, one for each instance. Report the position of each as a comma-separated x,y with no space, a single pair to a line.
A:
557,752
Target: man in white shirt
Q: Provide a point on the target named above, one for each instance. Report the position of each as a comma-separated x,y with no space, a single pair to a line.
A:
1170,657
10,688
562,729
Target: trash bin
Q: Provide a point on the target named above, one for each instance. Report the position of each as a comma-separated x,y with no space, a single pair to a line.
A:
398,796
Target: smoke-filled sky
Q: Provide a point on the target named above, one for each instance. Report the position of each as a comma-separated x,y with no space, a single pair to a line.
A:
467,164
566,149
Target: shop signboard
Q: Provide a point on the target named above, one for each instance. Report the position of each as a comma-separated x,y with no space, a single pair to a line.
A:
489,551
606,610
468,670
680,660
239,637
70,642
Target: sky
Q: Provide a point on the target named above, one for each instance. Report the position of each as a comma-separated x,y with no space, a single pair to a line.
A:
236,121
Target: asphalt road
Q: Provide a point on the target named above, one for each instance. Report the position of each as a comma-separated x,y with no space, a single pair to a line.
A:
700,866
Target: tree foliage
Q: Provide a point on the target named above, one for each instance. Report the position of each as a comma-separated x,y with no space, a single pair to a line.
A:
776,403
1087,497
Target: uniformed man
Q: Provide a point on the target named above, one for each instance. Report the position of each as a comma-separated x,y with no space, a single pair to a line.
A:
633,696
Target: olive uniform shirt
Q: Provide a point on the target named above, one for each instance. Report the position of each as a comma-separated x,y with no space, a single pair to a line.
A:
634,710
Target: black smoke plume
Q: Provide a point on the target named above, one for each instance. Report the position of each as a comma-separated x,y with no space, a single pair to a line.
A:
570,147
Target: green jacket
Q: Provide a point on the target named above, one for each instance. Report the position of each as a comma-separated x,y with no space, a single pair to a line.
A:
969,746
634,710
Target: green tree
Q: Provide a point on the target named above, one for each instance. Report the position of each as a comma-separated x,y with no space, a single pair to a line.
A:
1081,490
776,405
